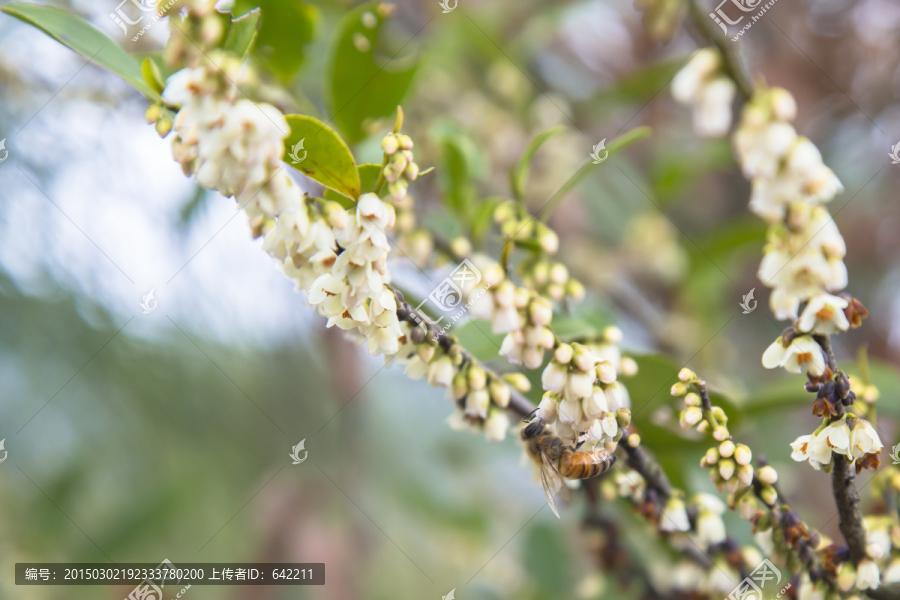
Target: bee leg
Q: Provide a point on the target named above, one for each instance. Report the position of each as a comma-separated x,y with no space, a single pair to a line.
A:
530,416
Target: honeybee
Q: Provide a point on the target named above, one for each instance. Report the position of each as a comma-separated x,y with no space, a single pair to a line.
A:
558,460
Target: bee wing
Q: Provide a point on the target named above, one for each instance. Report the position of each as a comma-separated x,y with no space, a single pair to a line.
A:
551,480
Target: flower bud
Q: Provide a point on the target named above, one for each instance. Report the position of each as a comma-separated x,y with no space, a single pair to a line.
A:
548,240
461,247
540,311
499,392
719,414
612,334
690,416
496,425
726,468
547,338
334,214
768,495
152,113
518,381
563,354
575,290
460,388
742,454
768,475
606,373
678,389
745,474
425,351
634,440
726,449
685,374
623,417
712,457
477,378
398,190
532,357
692,399
559,273
747,506
477,403
390,144
405,141
584,360
163,125
412,171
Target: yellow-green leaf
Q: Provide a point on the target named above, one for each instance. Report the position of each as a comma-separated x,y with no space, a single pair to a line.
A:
318,152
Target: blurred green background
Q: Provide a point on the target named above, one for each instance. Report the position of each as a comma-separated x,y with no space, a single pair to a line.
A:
136,437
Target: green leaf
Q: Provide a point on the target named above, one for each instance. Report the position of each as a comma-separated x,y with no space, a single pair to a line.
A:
242,32
82,37
286,27
362,83
519,174
368,175
151,75
328,159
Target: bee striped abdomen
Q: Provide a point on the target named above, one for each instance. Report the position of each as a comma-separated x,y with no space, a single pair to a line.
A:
584,465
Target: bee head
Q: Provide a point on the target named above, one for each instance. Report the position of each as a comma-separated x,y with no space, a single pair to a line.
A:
534,428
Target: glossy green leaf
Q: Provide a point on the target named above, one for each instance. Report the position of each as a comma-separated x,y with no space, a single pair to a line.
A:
82,37
519,173
242,32
286,27
368,175
323,155
362,82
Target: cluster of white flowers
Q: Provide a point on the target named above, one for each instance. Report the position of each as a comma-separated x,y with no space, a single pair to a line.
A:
337,255
804,255
583,399
703,85
849,436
